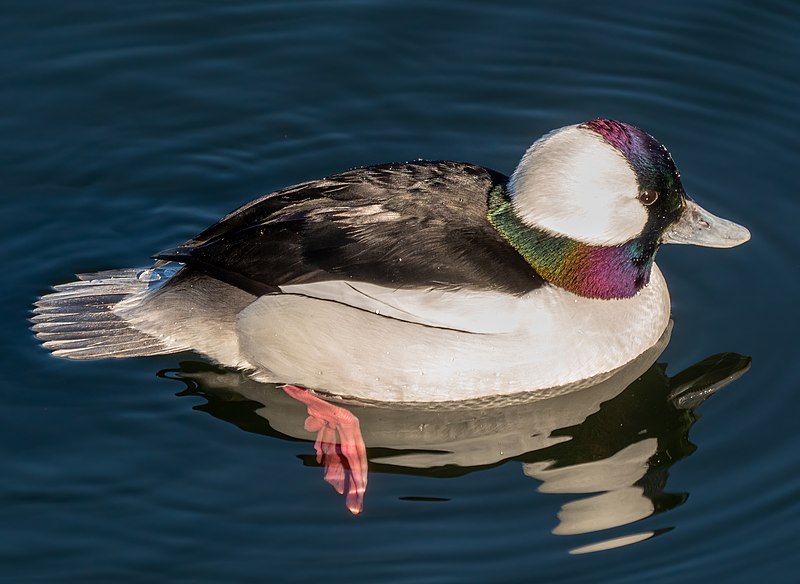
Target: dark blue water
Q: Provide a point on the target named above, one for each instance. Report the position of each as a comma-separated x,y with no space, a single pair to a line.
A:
127,129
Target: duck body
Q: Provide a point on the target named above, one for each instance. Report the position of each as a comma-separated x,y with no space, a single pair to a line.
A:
423,281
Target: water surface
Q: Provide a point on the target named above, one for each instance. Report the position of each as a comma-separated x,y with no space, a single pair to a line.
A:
128,129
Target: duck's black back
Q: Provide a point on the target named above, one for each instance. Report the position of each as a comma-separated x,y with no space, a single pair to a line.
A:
417,224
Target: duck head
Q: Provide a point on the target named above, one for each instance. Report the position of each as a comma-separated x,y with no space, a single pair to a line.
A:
589,205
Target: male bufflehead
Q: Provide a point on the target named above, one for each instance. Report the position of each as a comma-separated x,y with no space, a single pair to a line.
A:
422,281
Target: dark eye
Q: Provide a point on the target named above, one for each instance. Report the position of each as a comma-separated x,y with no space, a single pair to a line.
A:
648,197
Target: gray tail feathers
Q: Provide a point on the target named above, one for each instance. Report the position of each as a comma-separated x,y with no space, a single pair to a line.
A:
78,321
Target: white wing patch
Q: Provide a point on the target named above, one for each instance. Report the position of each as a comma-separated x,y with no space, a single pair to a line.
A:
468,311
356,215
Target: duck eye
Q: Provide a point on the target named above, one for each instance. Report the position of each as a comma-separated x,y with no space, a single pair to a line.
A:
648,197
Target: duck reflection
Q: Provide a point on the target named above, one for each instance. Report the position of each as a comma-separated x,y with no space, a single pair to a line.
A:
613,442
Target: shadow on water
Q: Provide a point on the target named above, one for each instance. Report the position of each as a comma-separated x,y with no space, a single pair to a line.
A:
612,444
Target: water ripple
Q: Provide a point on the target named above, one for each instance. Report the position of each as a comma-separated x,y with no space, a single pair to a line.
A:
131,127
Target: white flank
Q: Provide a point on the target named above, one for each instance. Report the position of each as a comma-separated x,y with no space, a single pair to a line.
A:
405,350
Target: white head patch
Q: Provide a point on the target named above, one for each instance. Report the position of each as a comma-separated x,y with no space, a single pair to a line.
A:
571,182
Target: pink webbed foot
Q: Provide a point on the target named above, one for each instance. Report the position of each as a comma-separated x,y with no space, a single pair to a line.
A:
344,457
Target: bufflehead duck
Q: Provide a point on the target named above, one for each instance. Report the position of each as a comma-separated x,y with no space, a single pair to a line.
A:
424,281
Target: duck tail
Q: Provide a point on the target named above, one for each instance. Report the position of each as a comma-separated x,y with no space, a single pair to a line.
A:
81,319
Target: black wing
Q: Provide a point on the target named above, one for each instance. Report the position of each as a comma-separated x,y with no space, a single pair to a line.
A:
402,225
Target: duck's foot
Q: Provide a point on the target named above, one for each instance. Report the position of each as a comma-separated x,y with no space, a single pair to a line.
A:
344,457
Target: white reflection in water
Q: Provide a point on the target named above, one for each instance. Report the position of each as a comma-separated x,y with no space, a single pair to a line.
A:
612,443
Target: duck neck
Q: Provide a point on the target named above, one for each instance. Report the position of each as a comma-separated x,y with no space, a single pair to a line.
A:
591,271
